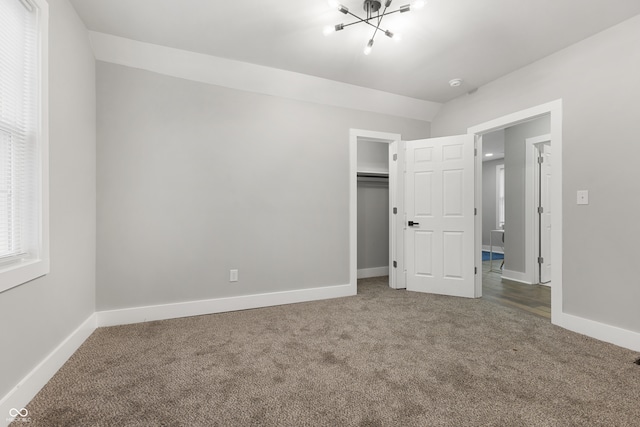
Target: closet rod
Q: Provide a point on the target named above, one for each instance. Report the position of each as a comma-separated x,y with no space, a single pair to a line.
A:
372,175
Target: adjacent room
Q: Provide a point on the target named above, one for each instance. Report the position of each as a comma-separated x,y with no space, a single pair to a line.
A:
516,259
312,212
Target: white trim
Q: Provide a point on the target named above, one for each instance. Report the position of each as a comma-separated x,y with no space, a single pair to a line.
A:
354,135
554,109
515,276
516,118
33,382
218,305
496,250
498,169
478,220
22,272
365,273
600,331
531,191
256,78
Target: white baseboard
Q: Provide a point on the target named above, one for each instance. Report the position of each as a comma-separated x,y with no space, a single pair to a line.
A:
364,273
600,331
219,305
31,384
515,276
496,249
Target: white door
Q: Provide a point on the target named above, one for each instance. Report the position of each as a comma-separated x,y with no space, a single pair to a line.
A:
545,216
439,206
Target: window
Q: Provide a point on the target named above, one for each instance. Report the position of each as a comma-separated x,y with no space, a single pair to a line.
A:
500,196
23,142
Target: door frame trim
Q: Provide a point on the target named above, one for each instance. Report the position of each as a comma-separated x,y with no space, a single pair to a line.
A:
554,110
384,137
531,193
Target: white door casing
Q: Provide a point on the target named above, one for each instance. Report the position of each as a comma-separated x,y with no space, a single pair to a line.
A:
439,197
396,215
395,239
545,217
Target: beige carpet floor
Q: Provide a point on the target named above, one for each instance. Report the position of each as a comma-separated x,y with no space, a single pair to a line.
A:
381,358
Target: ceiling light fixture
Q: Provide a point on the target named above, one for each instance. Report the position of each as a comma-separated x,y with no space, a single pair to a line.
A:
372,18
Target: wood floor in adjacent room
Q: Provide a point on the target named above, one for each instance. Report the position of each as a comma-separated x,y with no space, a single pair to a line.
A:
535,299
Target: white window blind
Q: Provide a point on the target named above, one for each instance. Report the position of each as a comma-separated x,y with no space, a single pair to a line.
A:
20,166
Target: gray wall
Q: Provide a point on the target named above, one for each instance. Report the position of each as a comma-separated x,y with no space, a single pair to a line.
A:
489,213
373,156
598,82
194,180
373,206
515,188
373,225
37,316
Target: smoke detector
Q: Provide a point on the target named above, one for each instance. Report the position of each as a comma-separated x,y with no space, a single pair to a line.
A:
455,82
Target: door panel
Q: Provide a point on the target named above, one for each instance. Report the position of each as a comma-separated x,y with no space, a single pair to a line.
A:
424,244
439,200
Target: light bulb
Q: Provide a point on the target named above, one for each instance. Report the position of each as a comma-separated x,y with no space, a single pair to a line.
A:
328,30
333,3
368,47
418,4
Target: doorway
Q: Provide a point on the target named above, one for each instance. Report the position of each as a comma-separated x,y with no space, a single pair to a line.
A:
511,207
373,159
553,111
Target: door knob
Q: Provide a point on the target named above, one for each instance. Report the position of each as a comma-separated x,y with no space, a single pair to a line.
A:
411,223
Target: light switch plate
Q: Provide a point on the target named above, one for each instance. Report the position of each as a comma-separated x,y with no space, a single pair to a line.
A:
233,275
583,197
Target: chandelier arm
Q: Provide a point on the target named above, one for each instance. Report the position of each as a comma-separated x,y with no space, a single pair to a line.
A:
366,20
379,22
359,20
389,13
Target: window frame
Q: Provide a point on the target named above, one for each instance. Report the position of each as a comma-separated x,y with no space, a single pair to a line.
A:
21,271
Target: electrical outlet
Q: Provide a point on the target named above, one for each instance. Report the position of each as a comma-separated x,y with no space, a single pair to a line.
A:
583,197
233,275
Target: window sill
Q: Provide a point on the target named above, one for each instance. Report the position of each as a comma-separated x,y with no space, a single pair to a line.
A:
18,273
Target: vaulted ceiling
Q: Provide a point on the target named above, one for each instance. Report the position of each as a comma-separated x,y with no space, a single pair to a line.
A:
476,40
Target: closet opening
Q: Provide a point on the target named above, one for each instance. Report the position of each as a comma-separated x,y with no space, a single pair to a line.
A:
374,184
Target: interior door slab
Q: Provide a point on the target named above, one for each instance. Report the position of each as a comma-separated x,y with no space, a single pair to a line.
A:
439,205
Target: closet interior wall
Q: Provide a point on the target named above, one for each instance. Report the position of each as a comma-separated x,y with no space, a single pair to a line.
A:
373,208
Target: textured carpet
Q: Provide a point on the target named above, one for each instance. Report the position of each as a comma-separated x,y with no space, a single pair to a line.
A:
381,358
485,256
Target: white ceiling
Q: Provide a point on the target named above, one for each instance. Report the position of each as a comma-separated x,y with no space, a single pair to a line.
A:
476,40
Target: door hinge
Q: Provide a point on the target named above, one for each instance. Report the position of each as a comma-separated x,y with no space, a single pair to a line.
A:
475,270
540,210
395,211
395,157
541,160
475,152
395,264
475,211
540,260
